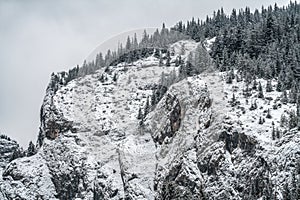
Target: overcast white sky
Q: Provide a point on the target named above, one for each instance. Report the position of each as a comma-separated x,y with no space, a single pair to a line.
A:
39,37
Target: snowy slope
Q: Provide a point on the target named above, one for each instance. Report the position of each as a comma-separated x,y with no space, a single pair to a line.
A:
105,144
193,144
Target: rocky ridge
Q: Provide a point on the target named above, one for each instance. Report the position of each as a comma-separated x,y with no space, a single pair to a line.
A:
195,143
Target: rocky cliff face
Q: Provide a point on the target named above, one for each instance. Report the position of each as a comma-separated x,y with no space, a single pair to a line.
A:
7,148
192,144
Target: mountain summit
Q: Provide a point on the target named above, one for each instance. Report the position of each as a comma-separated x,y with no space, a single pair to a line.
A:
188,113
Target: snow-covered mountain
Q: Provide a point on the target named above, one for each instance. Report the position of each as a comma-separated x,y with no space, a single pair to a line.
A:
203,138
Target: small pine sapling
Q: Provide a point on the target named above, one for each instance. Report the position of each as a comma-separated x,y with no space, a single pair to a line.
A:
261,120
115,77
253,106
273,131
140,114
283,120
269,115
277,133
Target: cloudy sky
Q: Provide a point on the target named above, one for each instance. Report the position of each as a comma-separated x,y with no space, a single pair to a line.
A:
39,37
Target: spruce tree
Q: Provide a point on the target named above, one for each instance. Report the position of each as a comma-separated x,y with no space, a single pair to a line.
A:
177,62
128,44
140,114
283,120
115,77
292,119
268,116
253,105
157,53
153,98
280,82
168,59
146,108
135,42
293,93
233,100
254,87
273,132
284,98
31,149
260,121
260,91
269,86
298,112
228,78
161,61
277,133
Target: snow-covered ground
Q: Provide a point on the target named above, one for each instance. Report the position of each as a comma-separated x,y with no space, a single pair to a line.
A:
107,142
208,43
192,145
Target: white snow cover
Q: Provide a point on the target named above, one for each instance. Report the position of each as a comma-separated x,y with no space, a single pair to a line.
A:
108,137
112,152
209,42
35,178
183,48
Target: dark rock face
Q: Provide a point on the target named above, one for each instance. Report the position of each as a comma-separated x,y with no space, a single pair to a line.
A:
204,101
178,185
11,171
174,119
210,164
180,177
67,175
52,122
7,149
54,128
235,139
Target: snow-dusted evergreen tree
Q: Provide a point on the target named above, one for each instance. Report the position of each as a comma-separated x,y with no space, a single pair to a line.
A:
277,133
280,82
284,98
177,61
31,149
268,116
261,120
260,91
135,44
168,59
202,59
298,111
283,120
145,40
128,44
269,86
273,132
140,114
292,119
160,62
228,78
254,87
146,108
293,93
